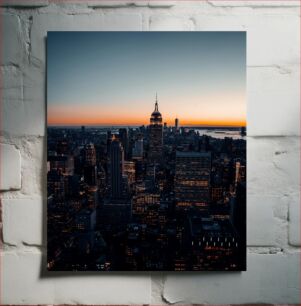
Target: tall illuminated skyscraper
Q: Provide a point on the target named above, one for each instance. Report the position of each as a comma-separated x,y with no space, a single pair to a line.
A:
90,155
90,168
123,136
155,135
137,152
192,179
116,168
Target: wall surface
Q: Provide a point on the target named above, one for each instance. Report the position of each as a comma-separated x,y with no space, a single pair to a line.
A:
273,36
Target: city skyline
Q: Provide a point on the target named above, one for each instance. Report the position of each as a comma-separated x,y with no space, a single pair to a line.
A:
146,151
150,198
110,78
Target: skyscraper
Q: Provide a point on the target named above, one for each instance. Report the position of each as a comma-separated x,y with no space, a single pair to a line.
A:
123,136
192,179
90,155
176,124
116,168
137,152
90,168
155,135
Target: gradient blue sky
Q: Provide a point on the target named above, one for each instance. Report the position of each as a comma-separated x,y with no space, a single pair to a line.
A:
112,77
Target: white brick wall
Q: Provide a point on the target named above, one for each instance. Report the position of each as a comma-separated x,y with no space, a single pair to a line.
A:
273,152
23,222
10,171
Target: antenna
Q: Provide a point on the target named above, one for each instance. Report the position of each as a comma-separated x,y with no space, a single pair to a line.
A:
156,104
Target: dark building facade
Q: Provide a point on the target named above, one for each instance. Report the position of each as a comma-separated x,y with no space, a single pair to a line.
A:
90,155
123,136
116,168
192,179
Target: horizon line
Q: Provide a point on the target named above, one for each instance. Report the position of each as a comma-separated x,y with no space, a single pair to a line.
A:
138,125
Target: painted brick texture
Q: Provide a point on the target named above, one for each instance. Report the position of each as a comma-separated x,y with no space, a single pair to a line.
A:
273,180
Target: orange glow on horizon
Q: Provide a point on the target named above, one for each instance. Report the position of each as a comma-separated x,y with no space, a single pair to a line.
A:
134,122
95,116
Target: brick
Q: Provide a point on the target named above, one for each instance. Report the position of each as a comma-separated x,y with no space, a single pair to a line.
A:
23,221
139,3
13,43
24,3
10,167
23,283
274,33
23,110
287,159
33,122
11,79
256,3
170,23
33,166
114,3
273,165
294,220
260,219
269,279
161,3
276,91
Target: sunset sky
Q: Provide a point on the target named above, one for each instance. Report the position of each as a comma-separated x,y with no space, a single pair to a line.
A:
111,78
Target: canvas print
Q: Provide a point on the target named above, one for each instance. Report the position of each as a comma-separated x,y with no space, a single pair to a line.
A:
146,151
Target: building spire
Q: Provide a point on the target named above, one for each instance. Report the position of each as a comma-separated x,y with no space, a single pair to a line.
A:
156,104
